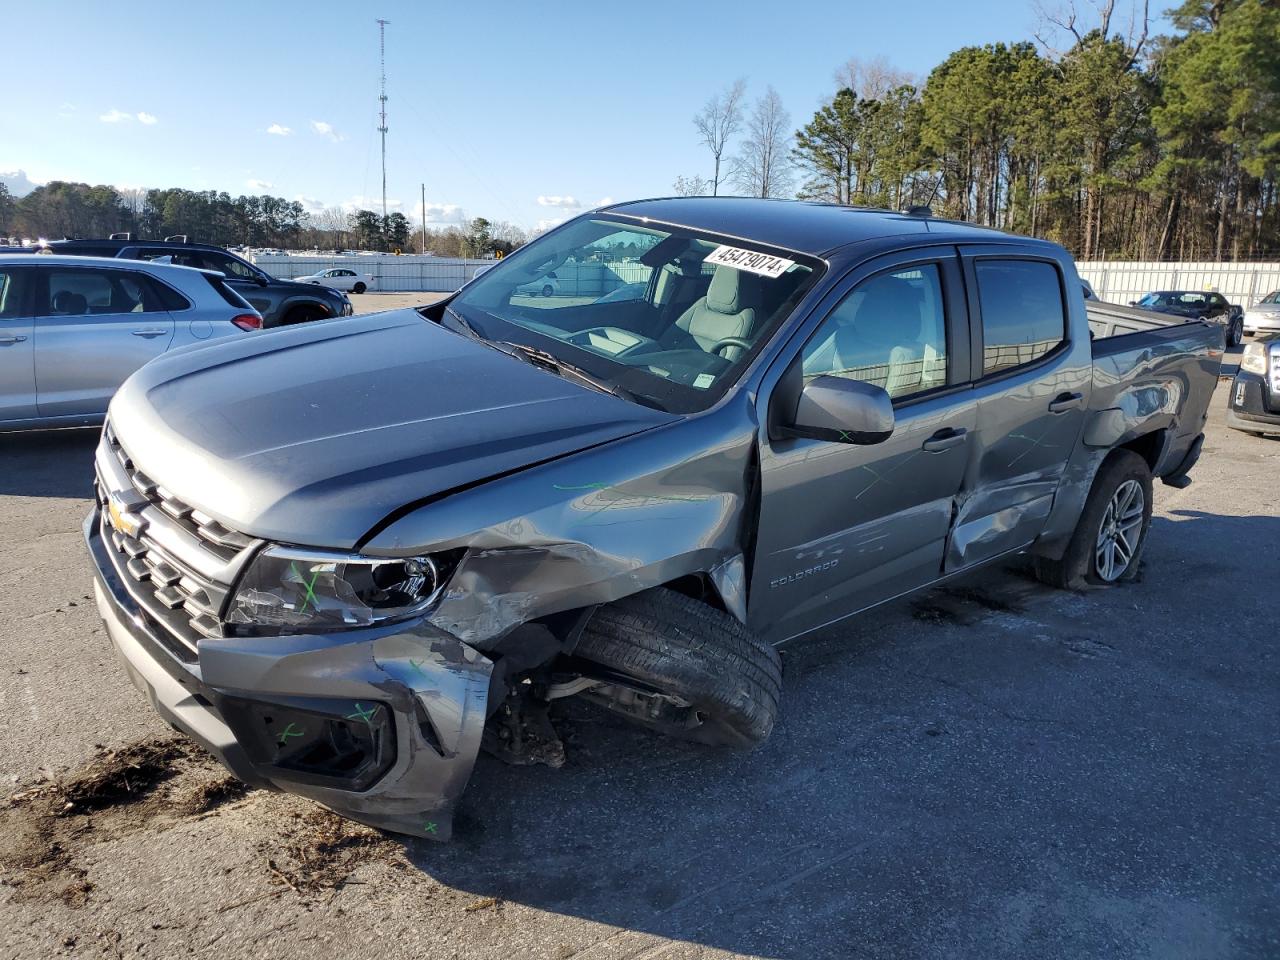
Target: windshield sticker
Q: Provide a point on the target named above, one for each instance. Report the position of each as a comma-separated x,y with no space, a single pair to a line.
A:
703,380
764,264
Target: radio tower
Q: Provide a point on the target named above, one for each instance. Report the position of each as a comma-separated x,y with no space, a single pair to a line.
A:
382,127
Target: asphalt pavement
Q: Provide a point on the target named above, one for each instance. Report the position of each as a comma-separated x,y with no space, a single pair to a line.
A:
989,770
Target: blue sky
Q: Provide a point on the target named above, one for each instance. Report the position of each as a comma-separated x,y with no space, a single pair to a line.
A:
493,105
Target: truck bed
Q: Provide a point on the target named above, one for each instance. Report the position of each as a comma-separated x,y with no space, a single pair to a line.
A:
1160,379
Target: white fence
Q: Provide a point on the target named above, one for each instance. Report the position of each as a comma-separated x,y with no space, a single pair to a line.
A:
1241,283
390,273
444,274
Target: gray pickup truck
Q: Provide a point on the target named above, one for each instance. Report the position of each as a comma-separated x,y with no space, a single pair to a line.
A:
459,514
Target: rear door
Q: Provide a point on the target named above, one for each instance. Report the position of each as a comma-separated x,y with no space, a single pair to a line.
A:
94,327
17,344
844,526
1031,384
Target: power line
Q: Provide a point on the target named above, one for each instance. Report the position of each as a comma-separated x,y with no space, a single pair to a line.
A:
382,98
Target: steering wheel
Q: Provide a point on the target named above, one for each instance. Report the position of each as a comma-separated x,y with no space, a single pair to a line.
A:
730,342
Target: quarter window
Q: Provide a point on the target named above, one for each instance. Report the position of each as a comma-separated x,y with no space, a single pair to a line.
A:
890,330
1022,314
13,293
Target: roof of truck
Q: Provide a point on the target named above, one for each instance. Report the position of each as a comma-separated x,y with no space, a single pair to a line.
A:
800,225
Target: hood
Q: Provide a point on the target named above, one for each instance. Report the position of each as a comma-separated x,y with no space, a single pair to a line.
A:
314,433
1265,308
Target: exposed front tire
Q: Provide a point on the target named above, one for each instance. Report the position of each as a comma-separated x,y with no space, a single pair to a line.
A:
684,668
1106,547
359,288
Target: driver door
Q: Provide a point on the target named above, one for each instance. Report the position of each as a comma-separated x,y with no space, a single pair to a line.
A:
844,526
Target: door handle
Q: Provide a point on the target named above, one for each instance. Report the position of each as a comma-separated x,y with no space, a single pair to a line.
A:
944,439
1065,401
149,333
8,340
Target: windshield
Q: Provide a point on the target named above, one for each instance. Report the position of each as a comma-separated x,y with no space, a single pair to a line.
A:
1272,297
671,316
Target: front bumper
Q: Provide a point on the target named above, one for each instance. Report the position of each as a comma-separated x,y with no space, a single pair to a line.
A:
1261,323
426,692
1252,406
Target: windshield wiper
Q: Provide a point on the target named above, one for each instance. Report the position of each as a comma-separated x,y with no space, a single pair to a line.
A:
464,323
549,361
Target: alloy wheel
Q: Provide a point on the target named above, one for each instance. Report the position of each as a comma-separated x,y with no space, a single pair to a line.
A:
1120,531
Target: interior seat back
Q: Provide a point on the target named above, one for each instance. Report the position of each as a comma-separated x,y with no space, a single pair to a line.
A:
728,310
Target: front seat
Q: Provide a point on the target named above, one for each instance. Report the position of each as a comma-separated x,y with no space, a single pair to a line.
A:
885,332
728,310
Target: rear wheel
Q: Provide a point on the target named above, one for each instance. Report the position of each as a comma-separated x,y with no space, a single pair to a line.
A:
359,287
684,668
547,290
1106,546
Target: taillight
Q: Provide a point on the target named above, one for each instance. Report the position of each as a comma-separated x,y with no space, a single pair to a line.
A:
248,321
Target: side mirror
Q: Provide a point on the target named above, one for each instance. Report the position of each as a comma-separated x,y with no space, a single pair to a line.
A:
261,281
843,411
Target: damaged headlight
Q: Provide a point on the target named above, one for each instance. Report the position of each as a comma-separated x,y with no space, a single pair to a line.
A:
286,591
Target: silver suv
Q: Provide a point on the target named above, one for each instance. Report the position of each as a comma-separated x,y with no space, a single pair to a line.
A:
72,329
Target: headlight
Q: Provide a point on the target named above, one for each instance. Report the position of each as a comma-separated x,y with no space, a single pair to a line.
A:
1254,359
287,591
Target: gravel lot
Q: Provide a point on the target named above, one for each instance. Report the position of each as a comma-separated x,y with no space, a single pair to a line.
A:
990,770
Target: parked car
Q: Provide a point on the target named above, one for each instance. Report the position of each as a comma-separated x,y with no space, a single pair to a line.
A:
73,328
1198,305
547,286
340,278
1253,405
1263,316
628,291
282,303
486,504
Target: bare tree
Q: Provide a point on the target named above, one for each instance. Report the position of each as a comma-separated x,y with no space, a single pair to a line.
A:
694,186
1068,19
718,122
763,166
871,79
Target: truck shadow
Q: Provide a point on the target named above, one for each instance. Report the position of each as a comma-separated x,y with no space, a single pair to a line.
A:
933,781
48,463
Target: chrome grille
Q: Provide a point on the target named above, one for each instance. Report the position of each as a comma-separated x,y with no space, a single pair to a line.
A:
179,564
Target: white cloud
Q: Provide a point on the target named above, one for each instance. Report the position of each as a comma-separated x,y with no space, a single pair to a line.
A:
310,204
114,116
260,185
67,110
149,119
548,224
17,181
279,130
562,202
359,202
443,213
604,201
326,129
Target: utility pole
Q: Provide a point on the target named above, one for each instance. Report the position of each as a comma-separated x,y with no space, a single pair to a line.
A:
424,219
382,98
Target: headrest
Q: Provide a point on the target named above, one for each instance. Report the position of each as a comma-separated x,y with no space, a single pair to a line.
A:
727,291
68,302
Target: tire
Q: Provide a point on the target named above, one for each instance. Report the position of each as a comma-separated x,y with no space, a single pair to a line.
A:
1084,564
684,648
359,287
547,290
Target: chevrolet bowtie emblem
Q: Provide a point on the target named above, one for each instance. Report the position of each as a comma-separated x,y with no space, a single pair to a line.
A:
121,520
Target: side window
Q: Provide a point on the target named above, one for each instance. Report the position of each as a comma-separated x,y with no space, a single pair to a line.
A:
889,330
1022,313
80,292
232,267
13,292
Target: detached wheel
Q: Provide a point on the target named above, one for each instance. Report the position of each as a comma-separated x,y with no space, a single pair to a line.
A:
1106,546
359,288
684,668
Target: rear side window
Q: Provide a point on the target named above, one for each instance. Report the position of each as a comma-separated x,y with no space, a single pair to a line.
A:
89,292
227,294
1022,312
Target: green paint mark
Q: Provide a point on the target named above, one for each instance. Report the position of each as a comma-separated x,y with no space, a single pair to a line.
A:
417,665
429,827
311,592
846,436
363,714
582,486
287,733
